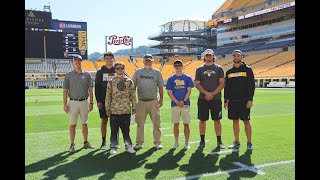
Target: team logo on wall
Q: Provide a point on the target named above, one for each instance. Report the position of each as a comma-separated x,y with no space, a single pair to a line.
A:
121,86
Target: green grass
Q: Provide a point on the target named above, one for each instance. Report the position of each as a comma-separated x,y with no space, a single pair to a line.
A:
47,139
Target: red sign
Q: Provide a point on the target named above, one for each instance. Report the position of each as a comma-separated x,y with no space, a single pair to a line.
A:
118,40
62,25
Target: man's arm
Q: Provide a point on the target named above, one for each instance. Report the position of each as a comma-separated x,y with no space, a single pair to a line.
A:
219,88
186,97
202,90
108,98
251,84
65,103
174,99
98,86
132,98
90,98
160,102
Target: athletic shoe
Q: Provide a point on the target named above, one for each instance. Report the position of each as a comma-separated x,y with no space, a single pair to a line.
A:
130,149
187,146
118,146
103,146
87,145
113,151
138,146
235,145
72,149
249,147
201,145
158,146
175,146
221,146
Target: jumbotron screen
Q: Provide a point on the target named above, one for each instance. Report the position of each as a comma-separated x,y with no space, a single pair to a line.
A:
60,44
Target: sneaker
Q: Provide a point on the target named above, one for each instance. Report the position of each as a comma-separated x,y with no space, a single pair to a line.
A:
103,146
72,149
187,146
158,146
175,146
130,149
249,147
118,146
87,145
221,146
113,151
137,147
235,145
201,145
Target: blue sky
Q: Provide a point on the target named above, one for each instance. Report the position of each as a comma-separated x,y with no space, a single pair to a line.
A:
135,18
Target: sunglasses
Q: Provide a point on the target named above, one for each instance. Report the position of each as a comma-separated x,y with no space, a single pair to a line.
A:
119,68
177,65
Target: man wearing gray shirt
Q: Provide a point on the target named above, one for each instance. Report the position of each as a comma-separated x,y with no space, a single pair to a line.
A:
209,80
148,80
77,86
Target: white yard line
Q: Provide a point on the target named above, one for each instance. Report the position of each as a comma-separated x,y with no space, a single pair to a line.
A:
224,152
196,142
242,168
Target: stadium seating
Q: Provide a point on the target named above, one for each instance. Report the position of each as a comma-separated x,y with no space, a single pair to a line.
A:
88,66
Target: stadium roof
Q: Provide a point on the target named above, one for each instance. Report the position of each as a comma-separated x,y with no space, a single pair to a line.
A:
184,25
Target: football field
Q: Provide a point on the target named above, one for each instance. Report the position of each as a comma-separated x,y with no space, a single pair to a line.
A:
273,137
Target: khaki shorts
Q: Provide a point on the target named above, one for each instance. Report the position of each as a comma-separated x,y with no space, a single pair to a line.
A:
184,112
76,108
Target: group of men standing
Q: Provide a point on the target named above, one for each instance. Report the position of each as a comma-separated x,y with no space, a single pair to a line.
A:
116,98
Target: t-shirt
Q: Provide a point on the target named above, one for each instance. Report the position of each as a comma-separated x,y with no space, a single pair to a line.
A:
103,76
209,79
178,85
147,83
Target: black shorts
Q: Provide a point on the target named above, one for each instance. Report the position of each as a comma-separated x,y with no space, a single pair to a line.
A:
238,109
102,112
215,107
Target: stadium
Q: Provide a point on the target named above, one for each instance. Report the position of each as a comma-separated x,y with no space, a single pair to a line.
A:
264,30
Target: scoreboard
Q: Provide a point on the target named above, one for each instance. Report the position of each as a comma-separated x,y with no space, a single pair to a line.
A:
62,40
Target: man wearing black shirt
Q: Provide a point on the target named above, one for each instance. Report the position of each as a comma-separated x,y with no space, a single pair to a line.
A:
238,97
103,76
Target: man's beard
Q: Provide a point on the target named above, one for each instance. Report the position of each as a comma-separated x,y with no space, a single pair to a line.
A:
236,61
147,66
209,60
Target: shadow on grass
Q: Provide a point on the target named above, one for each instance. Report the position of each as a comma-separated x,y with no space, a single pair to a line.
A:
166,162
49,162
95,163
200,164
226,164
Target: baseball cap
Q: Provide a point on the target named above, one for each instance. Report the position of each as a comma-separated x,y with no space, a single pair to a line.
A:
148,57
208,51
77,57
178,61
237,52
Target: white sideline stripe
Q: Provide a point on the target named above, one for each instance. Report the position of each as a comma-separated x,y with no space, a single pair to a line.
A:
195,142
168,135
224,152
151,124
275,163
235,170
249,168
162,128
